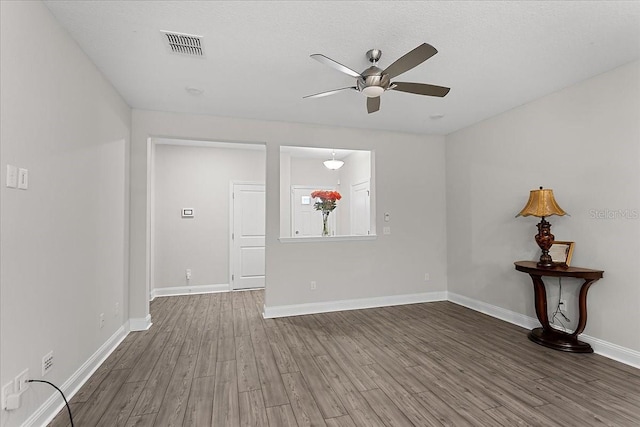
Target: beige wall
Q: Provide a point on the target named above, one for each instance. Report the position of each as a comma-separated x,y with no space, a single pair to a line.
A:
64,240
584,143
410,177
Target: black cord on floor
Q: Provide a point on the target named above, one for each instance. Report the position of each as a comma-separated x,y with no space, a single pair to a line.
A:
63,396
558,310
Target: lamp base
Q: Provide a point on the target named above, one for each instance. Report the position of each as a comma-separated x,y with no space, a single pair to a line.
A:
544,239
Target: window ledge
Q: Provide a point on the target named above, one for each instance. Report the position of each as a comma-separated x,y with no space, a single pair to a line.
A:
326,239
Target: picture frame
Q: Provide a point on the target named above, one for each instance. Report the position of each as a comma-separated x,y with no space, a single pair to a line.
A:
561,252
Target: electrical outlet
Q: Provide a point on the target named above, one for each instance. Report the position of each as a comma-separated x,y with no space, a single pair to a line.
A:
313,285
426,277
6,391
188,273
21,381
47,363
101,321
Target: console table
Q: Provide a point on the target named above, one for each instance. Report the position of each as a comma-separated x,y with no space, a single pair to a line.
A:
546,335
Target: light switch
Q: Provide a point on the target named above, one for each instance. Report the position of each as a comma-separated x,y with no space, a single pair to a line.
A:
23,179
12,176
387,216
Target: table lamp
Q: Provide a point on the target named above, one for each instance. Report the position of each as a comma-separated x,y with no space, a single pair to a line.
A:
542,204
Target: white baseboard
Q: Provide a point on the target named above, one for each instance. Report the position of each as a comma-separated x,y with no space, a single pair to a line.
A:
188,290
354,304
139,324
48,410
604,348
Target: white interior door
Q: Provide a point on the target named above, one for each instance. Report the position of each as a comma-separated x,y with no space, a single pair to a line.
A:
305,220
247,238
360,209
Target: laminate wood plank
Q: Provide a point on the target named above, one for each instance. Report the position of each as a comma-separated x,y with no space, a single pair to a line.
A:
92,384
252,410
323,393
281,416
271,382
357,406
307,336
150,399
356,373
62,418
403,400
136,349
388,412
440,381
141,421
289,333
574,410
226,349
193,337
118,412
595,401
225,399
94,408
143,367
248,378
207,355
343,421
502,389
442,411
302,402
281,353
401,375
174,403
199,411
240,322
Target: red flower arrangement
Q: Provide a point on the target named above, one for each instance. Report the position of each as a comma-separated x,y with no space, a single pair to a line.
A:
326,204
327,201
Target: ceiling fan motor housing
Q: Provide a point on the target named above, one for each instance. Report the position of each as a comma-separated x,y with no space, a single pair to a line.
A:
372,82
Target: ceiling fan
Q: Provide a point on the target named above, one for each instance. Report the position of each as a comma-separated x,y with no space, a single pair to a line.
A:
374,81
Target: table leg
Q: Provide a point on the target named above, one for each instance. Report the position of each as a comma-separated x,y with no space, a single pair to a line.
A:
540,295
582,307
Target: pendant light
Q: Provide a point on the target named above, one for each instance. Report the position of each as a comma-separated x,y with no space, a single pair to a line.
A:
332,163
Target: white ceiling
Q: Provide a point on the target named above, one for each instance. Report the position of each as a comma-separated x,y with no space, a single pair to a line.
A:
494,55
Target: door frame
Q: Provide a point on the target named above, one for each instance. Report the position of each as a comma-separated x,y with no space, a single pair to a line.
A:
352,192
232,184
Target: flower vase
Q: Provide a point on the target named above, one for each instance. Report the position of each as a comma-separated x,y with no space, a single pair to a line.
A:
325,225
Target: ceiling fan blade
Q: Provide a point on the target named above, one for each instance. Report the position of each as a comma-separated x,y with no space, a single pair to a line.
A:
373,104
412,59
420,89
330,92
331,63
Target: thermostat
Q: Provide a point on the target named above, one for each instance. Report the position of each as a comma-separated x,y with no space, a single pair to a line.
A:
187,212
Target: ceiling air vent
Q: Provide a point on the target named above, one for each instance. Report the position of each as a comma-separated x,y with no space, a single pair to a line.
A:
183,44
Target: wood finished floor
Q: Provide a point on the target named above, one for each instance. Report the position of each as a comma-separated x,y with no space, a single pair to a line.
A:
212,360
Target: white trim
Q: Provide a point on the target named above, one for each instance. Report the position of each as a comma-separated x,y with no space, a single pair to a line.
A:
49,409
188,290
494,311
612,351
354,304
140,324
326,239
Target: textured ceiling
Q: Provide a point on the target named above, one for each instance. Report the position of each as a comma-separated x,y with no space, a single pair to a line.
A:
494,55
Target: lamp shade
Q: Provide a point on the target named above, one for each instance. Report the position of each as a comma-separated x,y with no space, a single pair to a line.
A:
333,164
541,203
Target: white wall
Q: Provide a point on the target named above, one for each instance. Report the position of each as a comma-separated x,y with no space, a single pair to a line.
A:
64,251
198,178
584,143
410,177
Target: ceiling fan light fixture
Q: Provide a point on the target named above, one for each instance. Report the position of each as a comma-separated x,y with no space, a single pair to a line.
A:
332,163
372,91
